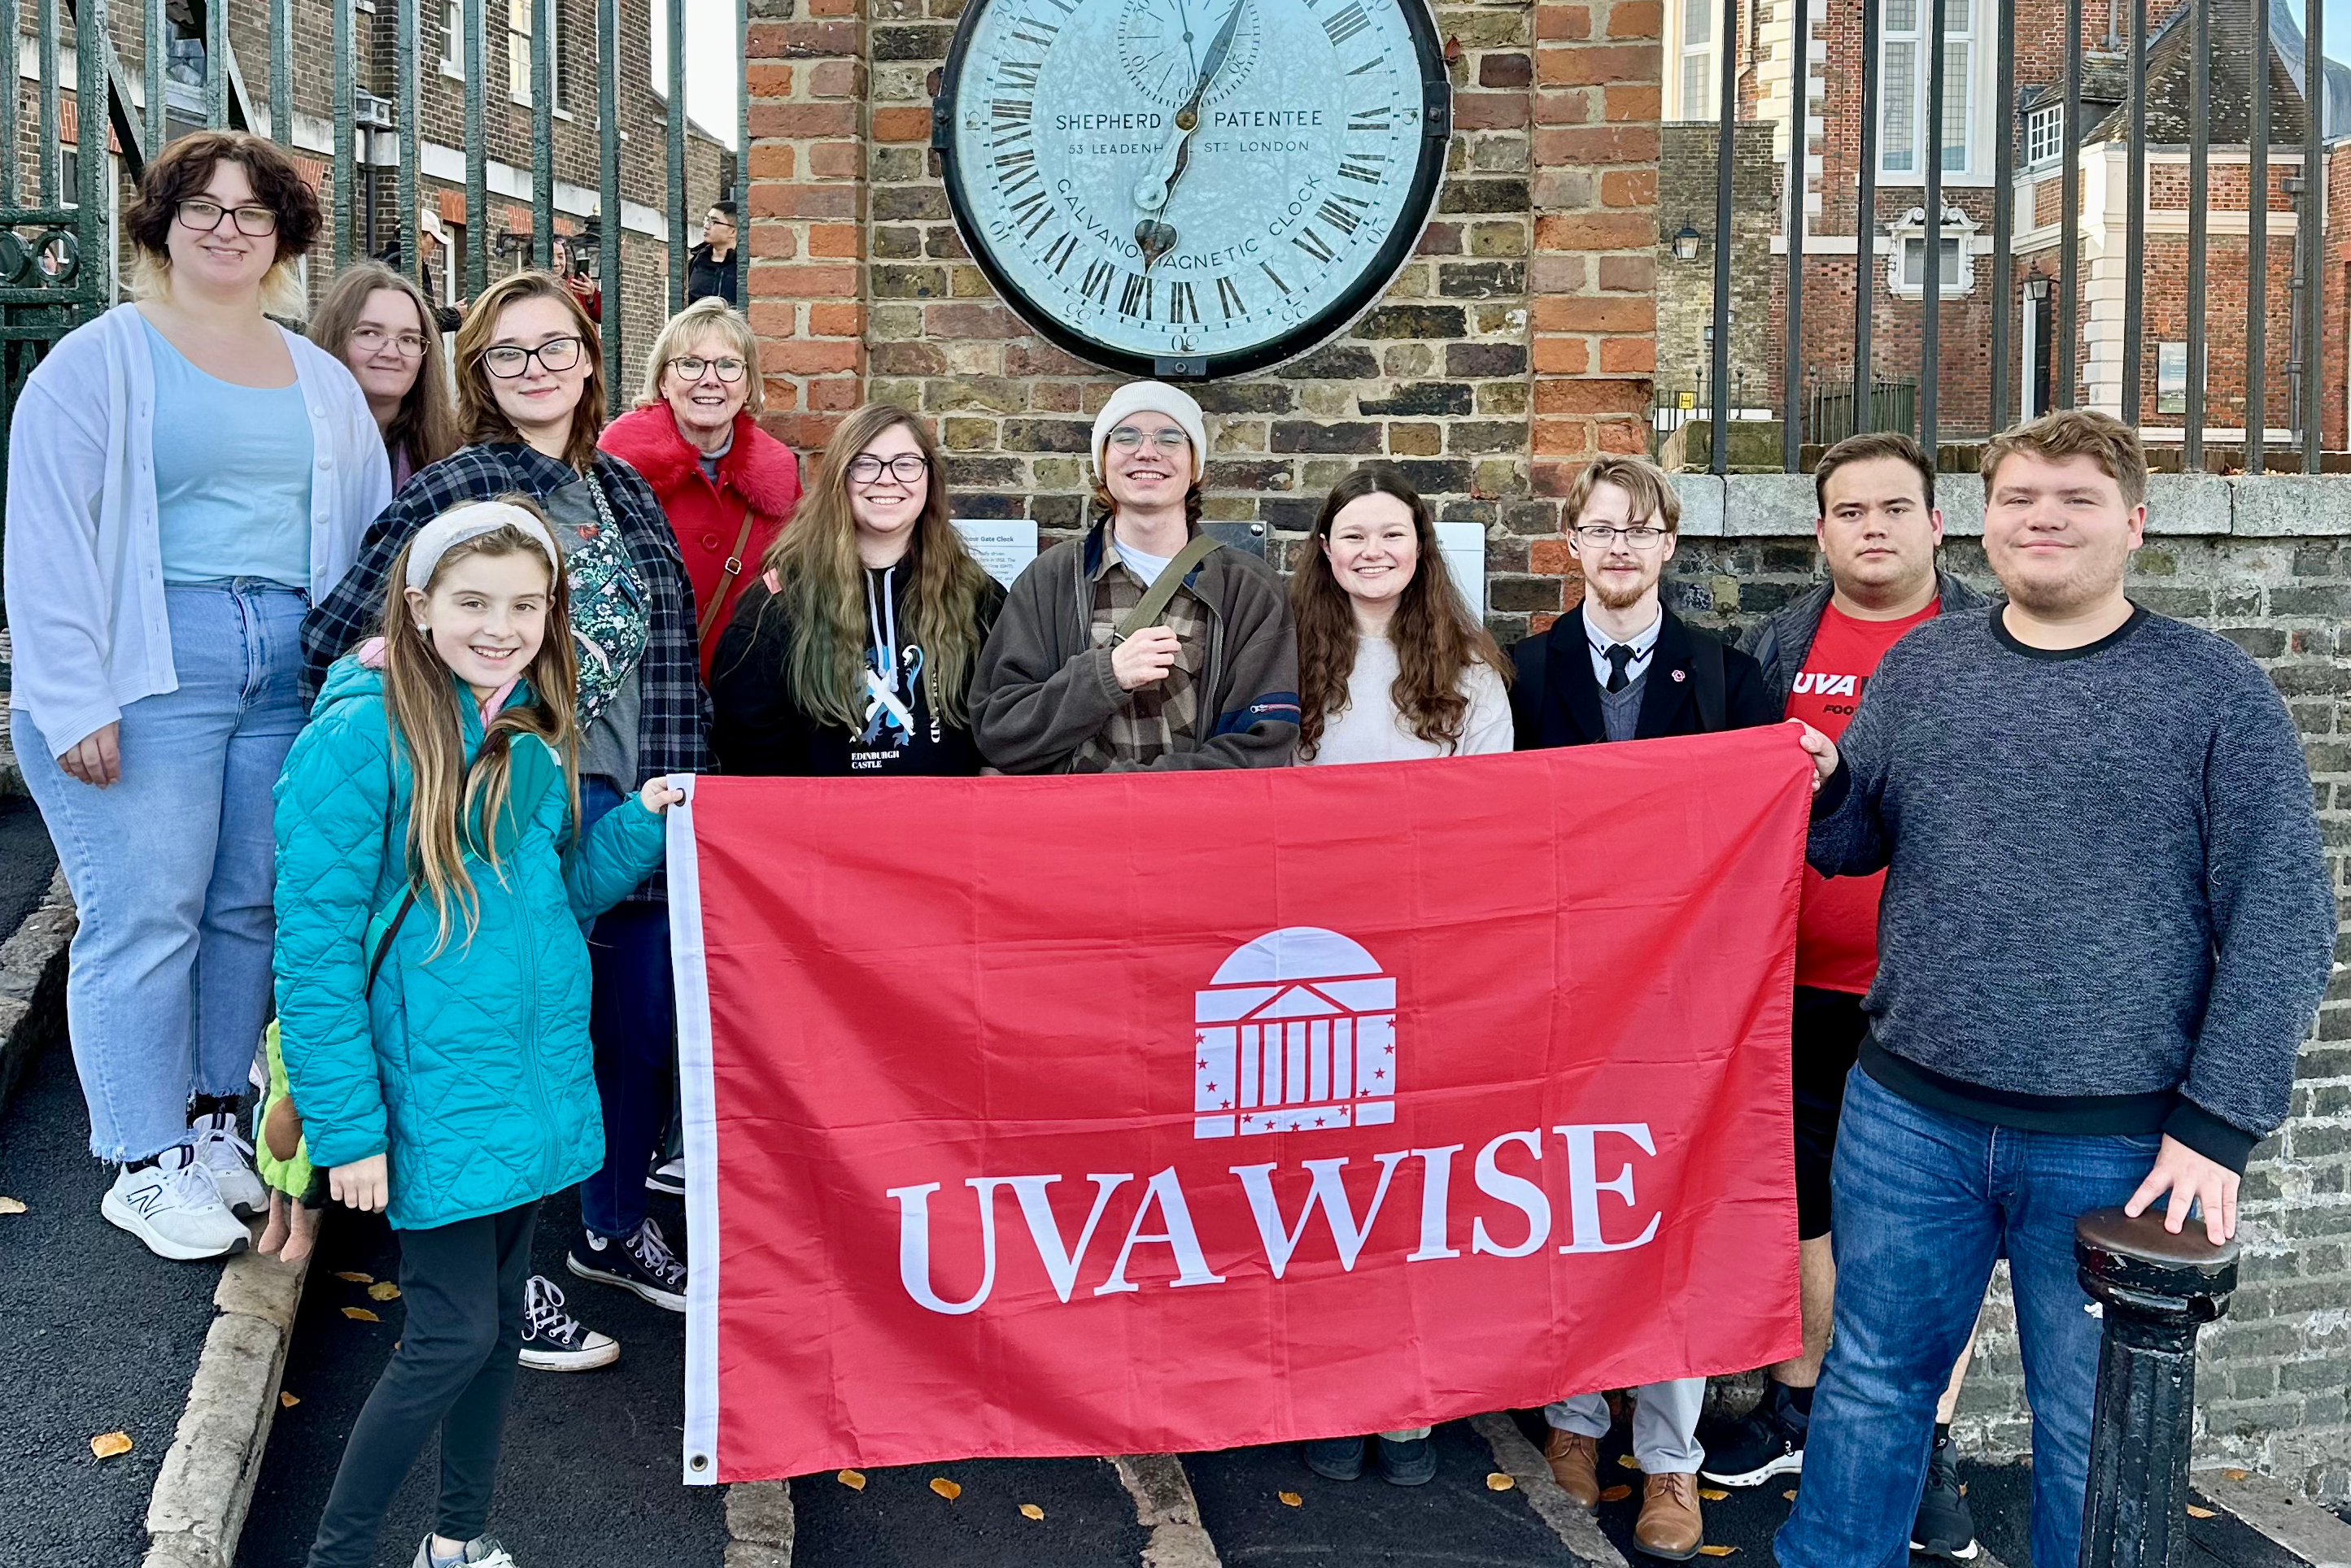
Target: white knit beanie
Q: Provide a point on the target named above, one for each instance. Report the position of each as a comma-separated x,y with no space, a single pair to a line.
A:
1157,397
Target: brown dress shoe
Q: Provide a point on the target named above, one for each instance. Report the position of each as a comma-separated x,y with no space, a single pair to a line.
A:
1670,1525
1575,1464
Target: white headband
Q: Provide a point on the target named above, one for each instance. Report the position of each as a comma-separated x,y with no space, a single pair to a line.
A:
471,520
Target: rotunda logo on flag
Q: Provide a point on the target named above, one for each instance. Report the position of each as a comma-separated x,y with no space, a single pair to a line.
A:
1297,1031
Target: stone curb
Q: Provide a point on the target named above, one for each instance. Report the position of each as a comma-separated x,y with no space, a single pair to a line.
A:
1523,1463
198,1506
33,981
1165,1506
760,1523
2307,1531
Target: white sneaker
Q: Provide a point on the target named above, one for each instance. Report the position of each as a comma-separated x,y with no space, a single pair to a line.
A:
480,1552
555,1341
230,1159
174,1208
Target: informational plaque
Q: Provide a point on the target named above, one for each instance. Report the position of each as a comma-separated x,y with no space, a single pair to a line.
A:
1005,546
1462,544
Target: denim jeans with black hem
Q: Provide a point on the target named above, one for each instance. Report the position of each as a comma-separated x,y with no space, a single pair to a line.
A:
1926,1202
631,1020
173,866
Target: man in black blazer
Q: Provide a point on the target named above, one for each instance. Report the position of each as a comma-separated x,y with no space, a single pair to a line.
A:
1621,666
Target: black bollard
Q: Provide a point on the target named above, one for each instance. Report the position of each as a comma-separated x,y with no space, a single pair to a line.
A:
2155,1290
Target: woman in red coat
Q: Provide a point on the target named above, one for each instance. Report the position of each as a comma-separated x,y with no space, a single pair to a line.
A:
728,487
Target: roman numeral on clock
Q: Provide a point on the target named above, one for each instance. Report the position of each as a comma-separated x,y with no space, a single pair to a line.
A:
1181,306
1344,25
1365,166
1010,110
1267,268
1369,118
1099,275
1344,212
1228,299
1057,254
1138,291
1310,242
1032,209
1036,34
1022,74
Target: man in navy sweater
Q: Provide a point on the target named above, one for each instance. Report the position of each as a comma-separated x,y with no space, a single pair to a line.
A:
2106,928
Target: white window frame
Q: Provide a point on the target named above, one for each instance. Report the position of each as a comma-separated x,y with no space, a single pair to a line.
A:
1967,161
1684,53
2044,135
518,62
452,40
1958,228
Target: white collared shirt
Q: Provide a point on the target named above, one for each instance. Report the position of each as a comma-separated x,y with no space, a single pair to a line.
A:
1642,643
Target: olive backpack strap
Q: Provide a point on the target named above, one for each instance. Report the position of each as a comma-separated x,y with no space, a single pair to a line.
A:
1154,602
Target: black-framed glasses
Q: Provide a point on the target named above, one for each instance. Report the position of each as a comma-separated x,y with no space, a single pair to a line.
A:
373,341
691,366
1640,536
719,219
555,356
204,216
905,468
1126,438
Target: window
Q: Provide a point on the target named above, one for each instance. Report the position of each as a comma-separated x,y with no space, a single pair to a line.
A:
1914,253
1699,76
452,51
1905,268
2044,135
2171,378
1903,87
518,50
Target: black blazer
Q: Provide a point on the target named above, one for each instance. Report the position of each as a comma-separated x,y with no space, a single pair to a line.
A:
1556,702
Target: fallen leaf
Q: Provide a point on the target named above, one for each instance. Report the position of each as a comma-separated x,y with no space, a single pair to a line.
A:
354,1276
1031,1510
2196,1512
2236,1474
1497,1482
853,1479
288,1401
1712,1494
1790,1494
1290,1499
361,1315
1716,1550
946,1488
384,1291
1628,1462
106,1444
12,1206
1614,1493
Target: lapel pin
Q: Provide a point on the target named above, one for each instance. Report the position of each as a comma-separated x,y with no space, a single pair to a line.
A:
1680,675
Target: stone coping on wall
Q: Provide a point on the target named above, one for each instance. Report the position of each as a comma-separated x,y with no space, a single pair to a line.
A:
2263,506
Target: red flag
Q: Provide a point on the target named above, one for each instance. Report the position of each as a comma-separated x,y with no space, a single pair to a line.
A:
1148,1112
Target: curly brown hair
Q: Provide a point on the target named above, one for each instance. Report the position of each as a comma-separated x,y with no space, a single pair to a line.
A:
1436,638
184,168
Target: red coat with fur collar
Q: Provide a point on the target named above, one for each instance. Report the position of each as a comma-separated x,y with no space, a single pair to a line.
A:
758,475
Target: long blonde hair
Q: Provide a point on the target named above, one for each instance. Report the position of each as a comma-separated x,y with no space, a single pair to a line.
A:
822,583
479,417
421,696
426,426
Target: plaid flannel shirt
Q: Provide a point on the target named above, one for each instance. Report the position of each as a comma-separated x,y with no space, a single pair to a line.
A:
1153,720
674,711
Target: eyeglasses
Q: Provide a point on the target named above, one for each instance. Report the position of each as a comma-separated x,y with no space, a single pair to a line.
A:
372,340
715,222
1126,438
691,366
555,356
905,468
204,216
1640,536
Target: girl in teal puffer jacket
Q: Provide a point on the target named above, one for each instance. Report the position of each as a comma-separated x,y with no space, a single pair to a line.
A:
432,982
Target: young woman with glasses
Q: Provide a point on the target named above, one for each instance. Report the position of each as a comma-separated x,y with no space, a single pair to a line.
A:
727,486
530,397
184,476
378,323
855,651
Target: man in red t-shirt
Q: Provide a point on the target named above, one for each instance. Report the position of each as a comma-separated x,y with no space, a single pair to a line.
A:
1878,528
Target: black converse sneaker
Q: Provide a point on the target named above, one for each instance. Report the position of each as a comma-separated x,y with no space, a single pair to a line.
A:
1768,1442
1945,1528
555,1341
639,1262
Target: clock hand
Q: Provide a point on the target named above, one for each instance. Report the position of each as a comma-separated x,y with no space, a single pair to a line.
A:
1152,196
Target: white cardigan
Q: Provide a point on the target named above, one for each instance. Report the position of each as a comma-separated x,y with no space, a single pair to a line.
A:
83,562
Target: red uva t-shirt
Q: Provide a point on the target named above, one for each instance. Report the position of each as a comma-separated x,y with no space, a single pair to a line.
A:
1837,927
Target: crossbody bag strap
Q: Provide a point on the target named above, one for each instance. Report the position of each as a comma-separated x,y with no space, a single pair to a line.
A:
731,570
1153,603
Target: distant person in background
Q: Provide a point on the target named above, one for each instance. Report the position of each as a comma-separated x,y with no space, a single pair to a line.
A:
727,486
571,266
447,318
380,325
184,476
710,265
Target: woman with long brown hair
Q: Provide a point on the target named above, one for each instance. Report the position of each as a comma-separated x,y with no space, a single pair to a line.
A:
854,652
380,326
1391,664
531,398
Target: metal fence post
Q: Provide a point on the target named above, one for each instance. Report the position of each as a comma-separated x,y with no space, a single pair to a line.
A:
2155,1290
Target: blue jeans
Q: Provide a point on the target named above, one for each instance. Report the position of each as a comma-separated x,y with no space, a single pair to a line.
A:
631,1020
172,868
1925,1203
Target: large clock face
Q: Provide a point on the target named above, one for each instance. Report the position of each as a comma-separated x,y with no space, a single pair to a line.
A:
1192,188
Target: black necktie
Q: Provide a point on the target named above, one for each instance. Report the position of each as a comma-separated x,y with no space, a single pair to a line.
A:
1618,656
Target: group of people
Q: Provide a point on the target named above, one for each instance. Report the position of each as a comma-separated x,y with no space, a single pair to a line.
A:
348,684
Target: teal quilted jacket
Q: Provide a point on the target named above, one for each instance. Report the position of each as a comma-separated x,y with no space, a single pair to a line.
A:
472,1065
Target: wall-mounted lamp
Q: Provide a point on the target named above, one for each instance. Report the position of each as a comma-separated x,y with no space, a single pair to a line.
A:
1685,243
2036,285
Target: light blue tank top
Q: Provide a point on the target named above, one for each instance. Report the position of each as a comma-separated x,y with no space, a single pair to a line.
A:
232,474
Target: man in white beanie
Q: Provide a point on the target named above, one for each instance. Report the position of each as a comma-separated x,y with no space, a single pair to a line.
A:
1142,644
